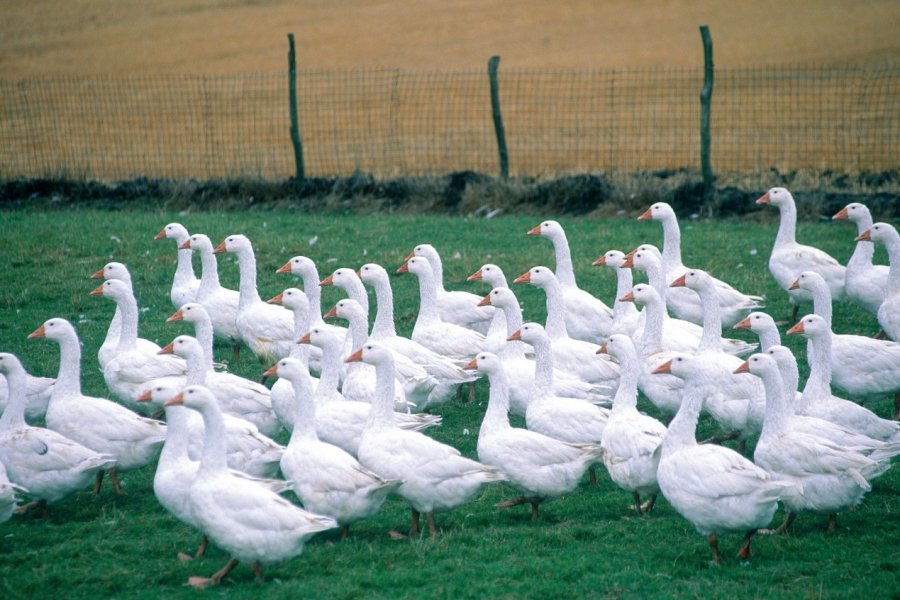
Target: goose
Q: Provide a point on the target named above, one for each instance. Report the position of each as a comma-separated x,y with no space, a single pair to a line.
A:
221,303
715,488
587,317
49,465
247,520
328,480
632,442
625,314
37,394
132,367
789,259
570,354
861,366
341,422
867,283
413,386
236,395
348,281
9,495
817,398
734,305
99,424
179,459
185,284
889,310
436,477
826,477
448,372
431,330
457,307
117,270
764,326
521,370
565,419
497,331
265,329
539,466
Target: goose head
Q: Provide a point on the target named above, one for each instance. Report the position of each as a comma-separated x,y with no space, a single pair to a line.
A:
485,362
776,196
199,242
619,346
173,231
288,368
9,363
342,278
234,243
758,322
694,279
810,281
810,326
642,293
758,364
372,273
160,392
113,270
531,333
371,353
53,329
348,309
293,299
418,266
537,276
300,266
490,274
321,338
643,257
855,212
426,251
550,229
184,346
191,312
884,233
113,289
612,259
658,212
197,397
782,356
681,366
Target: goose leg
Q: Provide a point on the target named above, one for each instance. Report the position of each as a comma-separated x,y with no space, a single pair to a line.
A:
114,477
345,531
794,311
414,529
257,570
724,437
832,522
714,546
896,415
744,552
203,582
783,527
637,503
432,530
97,481
201,550
236,353
39,504
649,504
535,515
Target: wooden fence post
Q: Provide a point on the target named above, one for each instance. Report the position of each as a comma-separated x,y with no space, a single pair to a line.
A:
705,105
295,120
493,63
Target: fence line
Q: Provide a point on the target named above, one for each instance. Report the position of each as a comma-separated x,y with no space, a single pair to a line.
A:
393,123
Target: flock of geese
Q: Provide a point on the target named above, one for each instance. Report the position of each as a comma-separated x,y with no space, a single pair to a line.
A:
355,397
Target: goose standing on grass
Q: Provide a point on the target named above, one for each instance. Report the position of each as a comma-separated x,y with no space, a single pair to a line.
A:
265,329
327,479
436,477
185,284
625,314
50,465
570,354
117,270
715,488
497,331
764,326
541,467
249,521
103,426
587,317
889,310
221,303
131,367
867,283
734,305
282,392
826,477
789,259
458,307
632,442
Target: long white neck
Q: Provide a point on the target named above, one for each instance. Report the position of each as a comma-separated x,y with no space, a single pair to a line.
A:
654,318
313,293
330,375
175,448
565,270
203,331
358,336
512,318
818,384
711,338
777,408
787,224
115,328
671,254
893,250
383,327
543,366
356,291
428,306
209,273
184,270
556,310
437,270
496,417
629,373
305,413
14,414
198,366
214,458
68,381
821,297
656,278
128,333
301,326
790,378
768,337
247,274
682,432
864,251
623,311
381,413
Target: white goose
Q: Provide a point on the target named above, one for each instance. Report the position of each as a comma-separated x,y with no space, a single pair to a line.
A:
236,395
328,480
539,466
221,303
457,307
587,317
867,283
632,441
436,477
132,367
713,487
185,284
764,326
625,314
249,521
497,330
103,426
789,259
826,477
889,310
348,281
37,394
734,305
570,354
266,329
49,465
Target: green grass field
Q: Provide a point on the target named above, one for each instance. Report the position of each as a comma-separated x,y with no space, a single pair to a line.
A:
587,544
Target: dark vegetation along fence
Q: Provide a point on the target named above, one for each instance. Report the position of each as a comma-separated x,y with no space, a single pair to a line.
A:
398,123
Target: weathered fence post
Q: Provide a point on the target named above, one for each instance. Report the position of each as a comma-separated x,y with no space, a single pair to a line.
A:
295,124
705,104
493,63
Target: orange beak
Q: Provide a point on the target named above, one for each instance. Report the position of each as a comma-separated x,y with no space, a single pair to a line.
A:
145,397
764,199
517,335
160,235
271,371
865,236
628,297
169,349
599,262
841,214
523,278
411,255
277,299
628,263
331,314
795,285
476,276
536,230
359,272
472,364
743,323
37,333
404,268
186,245
602,349
355,357
647,214
177,400
327,281
744,368
98,274
220,248
285,268
666,367
486,301
678,282
798,328
304,339
97,291
178,316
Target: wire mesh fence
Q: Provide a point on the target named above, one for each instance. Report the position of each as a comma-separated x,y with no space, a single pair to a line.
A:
395,123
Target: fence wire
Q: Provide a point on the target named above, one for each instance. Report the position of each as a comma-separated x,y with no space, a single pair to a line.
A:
395,123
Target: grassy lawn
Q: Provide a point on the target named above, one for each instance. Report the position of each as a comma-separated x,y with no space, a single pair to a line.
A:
585,544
